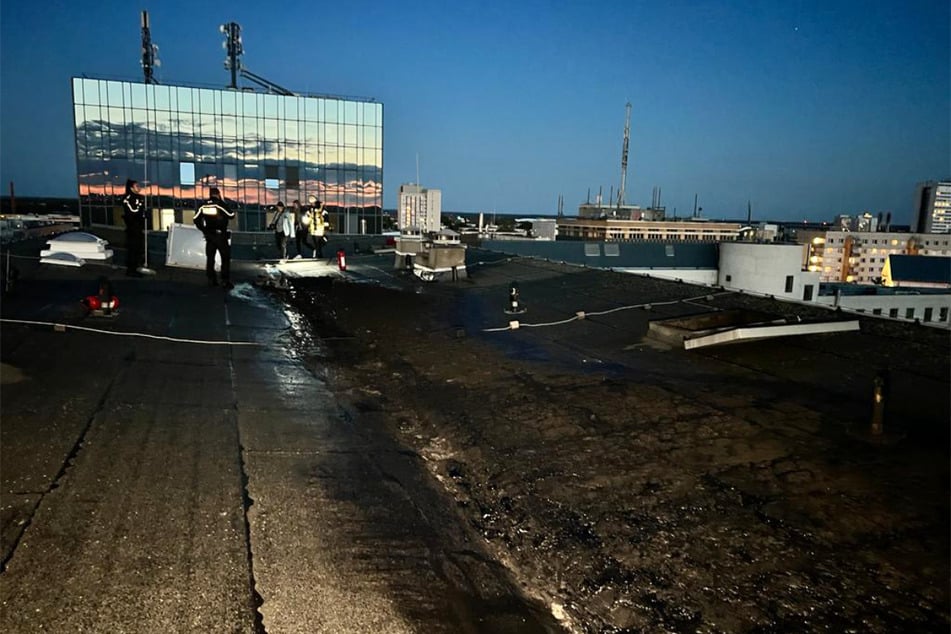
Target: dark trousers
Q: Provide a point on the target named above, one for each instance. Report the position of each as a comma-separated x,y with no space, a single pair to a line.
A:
217,242
317,242
299,238
135,248
280,241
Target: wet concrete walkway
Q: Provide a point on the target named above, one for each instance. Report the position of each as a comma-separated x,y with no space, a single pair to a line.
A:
152,485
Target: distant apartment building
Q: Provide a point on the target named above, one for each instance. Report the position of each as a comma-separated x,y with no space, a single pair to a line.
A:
917,286
846,256
611,229
932,207
419,208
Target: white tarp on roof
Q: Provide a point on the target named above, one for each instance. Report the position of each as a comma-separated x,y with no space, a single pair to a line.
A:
186,248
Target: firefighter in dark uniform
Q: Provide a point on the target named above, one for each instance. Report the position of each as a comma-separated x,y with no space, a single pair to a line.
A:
133,213
212,220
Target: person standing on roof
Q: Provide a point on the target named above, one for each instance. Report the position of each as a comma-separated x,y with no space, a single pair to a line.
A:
283,229
212,220
299,231
133,213
317,226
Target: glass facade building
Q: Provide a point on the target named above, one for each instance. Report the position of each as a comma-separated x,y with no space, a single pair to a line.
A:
257,148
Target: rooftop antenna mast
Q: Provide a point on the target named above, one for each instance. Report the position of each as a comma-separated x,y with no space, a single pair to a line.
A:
235,49
627,140
149,51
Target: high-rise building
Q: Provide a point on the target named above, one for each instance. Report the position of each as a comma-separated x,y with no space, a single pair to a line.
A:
419,208
257,148
932,207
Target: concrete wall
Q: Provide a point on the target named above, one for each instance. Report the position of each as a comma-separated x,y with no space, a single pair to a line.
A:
694,276
905,306
764,268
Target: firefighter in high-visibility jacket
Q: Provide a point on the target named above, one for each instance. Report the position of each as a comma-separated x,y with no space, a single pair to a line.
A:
317,226
212,220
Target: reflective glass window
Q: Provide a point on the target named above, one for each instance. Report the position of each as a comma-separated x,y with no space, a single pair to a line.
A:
229,126
311,132
367,136
161,121
228,103
250,152
138,95
115,116
350,112
272,150
249,105
91,92
312,109
291,107
350,134
184,99
114,90
330,113
331,136
249,128
206,124
205,101
270,130
292,152
187,173
205,150
166,173
270,106
229,149
161,97
185,123
291,130
293,176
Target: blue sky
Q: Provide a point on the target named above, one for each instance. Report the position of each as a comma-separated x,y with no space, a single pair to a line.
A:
807,108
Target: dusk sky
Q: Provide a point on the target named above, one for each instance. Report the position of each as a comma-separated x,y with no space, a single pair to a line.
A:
807,108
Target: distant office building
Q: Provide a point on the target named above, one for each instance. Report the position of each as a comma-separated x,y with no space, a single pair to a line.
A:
419,208
541,228
178,141
611,229
619,212
859,222
932,207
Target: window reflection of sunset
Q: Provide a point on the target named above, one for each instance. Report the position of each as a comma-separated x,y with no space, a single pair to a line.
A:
334,144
